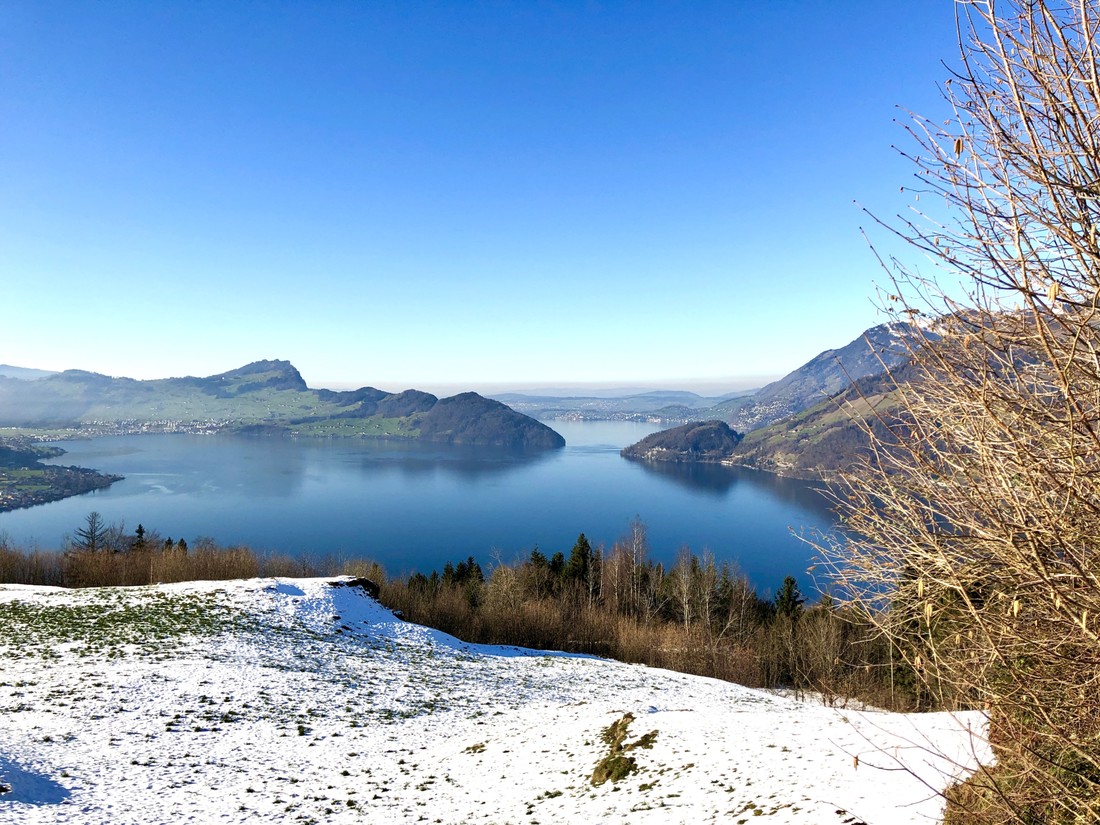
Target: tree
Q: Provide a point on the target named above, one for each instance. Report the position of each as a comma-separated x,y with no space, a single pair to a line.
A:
706,589
789,599
92,537
557,567
537,574
580,559
684,580
972,526
740,609
637,548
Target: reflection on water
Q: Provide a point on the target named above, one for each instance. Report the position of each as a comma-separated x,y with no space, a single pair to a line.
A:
414,506
414,459
720,479
707,478
278,467
805,495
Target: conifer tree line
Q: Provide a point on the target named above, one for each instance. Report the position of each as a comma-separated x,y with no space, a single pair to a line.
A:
694,616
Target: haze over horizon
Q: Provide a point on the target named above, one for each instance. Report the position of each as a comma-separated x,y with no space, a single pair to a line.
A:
610,388
464,195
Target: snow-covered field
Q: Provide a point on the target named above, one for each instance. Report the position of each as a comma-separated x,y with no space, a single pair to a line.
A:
296,701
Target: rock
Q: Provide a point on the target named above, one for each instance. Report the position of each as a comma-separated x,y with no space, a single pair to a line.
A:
364,584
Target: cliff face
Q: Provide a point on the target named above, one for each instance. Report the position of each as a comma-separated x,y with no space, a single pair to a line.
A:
695,441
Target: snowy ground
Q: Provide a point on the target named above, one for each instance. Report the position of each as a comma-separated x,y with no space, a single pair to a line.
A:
295,701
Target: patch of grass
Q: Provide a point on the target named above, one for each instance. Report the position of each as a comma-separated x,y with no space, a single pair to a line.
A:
113,623
617,765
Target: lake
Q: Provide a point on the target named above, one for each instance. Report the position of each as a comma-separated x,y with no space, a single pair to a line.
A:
413,506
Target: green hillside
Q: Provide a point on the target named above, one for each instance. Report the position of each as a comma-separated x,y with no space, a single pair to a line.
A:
829,436
265,397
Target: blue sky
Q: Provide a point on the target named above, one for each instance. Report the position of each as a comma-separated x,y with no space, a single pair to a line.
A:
452,194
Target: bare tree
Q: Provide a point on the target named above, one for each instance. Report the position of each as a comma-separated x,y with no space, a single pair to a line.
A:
706,588
741,607
684,585
93,536
636,543
974,523
614,579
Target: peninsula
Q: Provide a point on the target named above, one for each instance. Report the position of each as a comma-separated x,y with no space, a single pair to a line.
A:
25,481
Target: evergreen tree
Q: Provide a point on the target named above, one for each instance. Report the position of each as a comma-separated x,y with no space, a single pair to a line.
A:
789,600
580,560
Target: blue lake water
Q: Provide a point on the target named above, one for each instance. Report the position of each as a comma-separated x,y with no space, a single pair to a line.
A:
415,506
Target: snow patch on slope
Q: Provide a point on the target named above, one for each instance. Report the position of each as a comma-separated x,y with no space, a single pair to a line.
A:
303,702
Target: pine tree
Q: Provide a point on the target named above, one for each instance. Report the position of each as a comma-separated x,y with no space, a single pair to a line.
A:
580,560
789,600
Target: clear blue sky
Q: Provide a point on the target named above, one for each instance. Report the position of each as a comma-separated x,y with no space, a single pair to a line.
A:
410,194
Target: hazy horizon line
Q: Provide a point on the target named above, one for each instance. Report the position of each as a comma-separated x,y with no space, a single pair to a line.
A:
700,386
551,387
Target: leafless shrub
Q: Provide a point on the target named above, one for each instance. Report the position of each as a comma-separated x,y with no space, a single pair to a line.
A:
33,567
974,525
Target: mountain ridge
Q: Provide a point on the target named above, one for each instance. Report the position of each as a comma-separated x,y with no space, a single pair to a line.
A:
876,350
810,423
266,396
23,373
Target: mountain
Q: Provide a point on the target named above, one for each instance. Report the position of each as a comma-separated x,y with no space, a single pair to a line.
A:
8,371
695,441
829,436
264,397
880,348
644,405
470,419
802,425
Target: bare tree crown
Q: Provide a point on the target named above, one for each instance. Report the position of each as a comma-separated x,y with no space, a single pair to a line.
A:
973,527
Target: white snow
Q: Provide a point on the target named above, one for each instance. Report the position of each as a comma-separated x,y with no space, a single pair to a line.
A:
305,702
